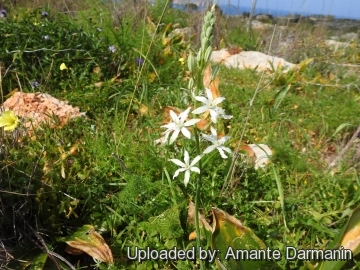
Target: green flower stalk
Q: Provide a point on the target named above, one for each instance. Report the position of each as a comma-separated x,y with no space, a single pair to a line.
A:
204,103
203,56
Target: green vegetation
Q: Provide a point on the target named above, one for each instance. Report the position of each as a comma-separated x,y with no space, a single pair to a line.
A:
102,177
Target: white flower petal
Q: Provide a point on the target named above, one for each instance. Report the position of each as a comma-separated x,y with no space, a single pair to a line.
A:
186,157
222,154
186,132
200,110
169,125
184,115
195,169
202,99
173,116
187,177
178,171
174,136
178,162
218,100
226,149
209,138
166,136
191,122
214,116
222,114
196,160
209,94
209,149
213,131
225,116
224,139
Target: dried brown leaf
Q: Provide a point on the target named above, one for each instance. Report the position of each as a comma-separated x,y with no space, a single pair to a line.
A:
191,217
73,251
213,85
94,245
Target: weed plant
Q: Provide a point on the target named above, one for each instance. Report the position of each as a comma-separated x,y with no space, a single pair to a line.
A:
105,170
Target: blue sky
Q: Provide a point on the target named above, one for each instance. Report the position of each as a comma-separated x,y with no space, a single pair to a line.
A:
338,8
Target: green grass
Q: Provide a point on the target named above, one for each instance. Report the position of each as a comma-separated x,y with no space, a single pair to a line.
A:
117,178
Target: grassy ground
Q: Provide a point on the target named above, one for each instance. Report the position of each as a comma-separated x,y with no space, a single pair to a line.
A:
104,170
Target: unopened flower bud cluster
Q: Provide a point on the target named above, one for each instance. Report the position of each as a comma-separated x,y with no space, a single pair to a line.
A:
207,36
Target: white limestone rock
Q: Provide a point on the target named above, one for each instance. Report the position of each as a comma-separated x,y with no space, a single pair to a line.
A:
250,59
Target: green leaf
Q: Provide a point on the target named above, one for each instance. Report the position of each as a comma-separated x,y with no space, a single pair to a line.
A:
233,241
281,194
25,255
341,127
299,68
39,262
348,239
280,97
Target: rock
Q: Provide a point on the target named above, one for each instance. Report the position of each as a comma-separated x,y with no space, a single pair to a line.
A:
259,25
348,36
199,3
263,17
342,24
220,56
335,45
249,59
37,108
314,19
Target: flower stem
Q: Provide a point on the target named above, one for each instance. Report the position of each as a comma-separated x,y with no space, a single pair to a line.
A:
197,198
173,197
197,224
202,59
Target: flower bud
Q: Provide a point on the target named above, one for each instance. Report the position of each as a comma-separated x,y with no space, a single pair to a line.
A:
191,63
204,43
211,38
206,24
202,37
198,56
191,83
209,32
208,54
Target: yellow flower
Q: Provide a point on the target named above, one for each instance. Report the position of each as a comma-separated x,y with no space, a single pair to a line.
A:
9,120
182,60
63,66
151,77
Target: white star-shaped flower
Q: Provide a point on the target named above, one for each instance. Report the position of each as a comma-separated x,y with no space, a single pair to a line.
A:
211,105
178,125
186,166
217,143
